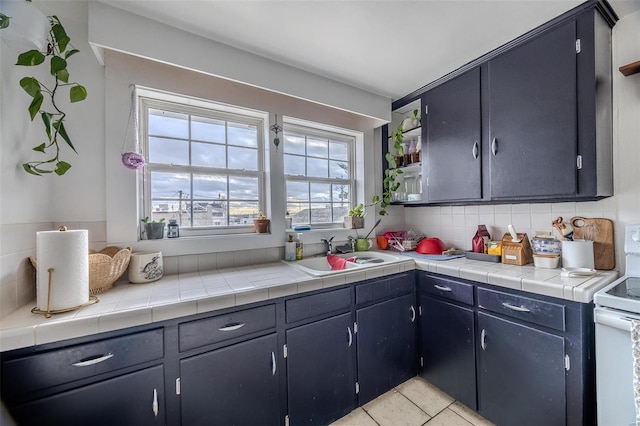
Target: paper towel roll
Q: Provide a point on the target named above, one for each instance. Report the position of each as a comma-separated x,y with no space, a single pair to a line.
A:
67,252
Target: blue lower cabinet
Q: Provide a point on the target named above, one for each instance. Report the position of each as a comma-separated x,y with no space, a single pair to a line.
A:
320,371
132,399
234,385
521,374
386,345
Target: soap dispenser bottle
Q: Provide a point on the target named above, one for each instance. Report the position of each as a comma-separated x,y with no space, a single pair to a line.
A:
288,221
299,248
290,249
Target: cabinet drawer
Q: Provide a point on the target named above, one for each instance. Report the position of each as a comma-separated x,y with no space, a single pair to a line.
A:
216,329
446,288
547,314
384,288
318,304
46,369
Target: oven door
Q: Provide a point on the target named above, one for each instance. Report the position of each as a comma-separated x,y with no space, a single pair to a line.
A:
614,367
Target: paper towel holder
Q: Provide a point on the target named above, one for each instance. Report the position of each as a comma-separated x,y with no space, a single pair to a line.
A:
49,311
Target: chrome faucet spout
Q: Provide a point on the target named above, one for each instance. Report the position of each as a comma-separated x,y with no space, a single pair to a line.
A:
328,245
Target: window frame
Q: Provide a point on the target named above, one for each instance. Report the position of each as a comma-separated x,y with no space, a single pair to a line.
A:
183,104
314,129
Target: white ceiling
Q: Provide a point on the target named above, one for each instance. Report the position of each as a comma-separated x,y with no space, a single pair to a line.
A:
390,48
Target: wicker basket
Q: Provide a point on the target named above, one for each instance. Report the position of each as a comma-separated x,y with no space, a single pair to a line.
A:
105,267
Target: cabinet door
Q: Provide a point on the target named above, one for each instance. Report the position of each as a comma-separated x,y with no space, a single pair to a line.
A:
233,385
125,400
320,371
533,122
447,348
521,374
453,139
386,346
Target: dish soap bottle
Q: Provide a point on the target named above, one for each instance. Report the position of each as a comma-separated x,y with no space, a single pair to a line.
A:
290,249
288,221
299,248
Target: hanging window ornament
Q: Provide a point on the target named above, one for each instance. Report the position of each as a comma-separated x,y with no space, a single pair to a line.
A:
276,129
132,159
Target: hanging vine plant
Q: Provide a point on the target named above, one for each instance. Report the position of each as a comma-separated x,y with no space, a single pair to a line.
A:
59,50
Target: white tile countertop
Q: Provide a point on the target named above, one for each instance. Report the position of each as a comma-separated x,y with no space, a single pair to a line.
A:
181,295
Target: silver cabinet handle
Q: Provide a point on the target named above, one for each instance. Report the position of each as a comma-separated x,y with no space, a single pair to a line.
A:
475,150
483,343
93,361
350,341
413,314
442,288
515,308
273,363
232,327
494,146
154,406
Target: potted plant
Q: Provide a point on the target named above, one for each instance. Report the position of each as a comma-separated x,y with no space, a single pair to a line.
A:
261,224
355,219
59,50
153,229
397,138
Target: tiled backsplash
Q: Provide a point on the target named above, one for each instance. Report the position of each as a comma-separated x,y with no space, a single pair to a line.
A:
455,225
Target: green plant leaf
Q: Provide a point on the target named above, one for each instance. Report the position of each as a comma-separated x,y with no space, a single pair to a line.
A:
40,148
62,167
63,75
59,126
30,85
4,21
62,39
58,64
30,58
71,52
77,93
35,105
46,119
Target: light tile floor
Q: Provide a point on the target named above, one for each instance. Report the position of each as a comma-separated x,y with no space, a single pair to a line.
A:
413,403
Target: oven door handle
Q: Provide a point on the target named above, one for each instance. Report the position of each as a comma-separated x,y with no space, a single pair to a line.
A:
616,321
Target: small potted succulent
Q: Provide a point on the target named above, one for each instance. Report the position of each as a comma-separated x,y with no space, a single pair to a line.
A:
355,219
261,224
153,229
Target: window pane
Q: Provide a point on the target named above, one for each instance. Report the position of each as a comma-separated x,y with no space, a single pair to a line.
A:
339,212
242,212
339,150
294,165
341,193
318,147
242,135
297,191
320,192
299,213
219,213
317,167
293,144
209,186
168,185
171,124
243,188
208,155
321,213
338,169
207,129
243,158
168,151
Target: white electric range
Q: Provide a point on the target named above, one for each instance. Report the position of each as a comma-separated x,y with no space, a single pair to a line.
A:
616,306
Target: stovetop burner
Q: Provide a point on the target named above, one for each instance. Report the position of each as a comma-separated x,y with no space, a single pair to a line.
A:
629,288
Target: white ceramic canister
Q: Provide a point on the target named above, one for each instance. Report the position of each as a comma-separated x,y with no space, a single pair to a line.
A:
577,254
145,267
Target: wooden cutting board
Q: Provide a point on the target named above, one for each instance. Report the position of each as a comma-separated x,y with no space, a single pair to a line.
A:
600,231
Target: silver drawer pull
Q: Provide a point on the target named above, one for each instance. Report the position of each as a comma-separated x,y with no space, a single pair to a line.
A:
350,339
273,364
442,288
515,308
93,360
154,405
413,314
232,327
483,341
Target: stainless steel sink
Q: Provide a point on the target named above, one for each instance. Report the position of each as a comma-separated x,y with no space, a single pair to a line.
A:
319,266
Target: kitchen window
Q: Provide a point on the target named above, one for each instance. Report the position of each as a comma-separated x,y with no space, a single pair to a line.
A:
205,164
319,173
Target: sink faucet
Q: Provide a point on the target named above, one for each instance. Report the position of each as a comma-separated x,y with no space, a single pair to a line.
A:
353,243
327,244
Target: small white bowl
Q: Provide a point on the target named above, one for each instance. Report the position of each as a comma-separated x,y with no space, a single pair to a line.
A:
546,261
